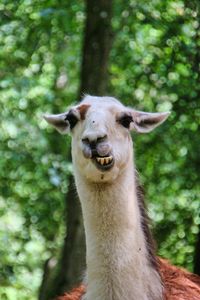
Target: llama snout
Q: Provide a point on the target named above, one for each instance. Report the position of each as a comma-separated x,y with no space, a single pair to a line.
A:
96,147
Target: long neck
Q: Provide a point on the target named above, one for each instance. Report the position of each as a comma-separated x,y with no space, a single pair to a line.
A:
120,265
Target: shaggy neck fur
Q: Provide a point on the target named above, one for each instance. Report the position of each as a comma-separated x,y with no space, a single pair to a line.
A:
120,263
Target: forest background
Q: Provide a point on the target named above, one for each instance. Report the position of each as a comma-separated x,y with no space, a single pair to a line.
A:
145,53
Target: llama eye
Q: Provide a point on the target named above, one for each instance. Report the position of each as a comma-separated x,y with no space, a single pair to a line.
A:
125,120
72,119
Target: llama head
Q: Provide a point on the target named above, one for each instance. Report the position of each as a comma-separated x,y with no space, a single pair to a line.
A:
100,129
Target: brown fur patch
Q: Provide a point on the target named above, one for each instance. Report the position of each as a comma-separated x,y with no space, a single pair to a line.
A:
75,294
178,283
83,108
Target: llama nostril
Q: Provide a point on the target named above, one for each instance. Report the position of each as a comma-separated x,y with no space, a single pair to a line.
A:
93,139
85,141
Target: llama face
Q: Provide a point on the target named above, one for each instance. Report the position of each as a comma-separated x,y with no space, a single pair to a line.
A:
100,129
101,146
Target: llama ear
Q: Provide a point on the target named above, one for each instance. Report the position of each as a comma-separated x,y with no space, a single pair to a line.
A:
63,122
59,121
145,122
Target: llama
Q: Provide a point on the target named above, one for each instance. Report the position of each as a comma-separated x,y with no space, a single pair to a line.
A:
121,263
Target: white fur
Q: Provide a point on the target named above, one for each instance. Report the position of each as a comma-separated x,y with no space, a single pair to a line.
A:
118,267
117,263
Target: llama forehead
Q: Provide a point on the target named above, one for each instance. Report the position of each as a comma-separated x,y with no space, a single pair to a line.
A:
96,100
102,104
98,115
101,109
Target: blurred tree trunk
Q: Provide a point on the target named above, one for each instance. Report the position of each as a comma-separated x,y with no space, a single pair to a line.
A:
96,47
93,80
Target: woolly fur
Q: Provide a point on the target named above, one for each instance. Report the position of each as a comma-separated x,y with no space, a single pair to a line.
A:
120,259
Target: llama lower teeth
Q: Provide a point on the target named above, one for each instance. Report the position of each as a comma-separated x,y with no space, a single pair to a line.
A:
104,160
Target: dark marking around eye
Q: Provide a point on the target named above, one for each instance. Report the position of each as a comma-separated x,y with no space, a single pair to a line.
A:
72,119
125,120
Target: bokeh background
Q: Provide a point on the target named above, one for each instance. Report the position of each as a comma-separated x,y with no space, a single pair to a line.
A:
147,54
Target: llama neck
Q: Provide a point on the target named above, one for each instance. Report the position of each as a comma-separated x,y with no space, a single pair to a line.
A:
118,263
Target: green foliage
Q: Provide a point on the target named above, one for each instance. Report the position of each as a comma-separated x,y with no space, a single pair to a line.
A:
159,71
34,78
154,66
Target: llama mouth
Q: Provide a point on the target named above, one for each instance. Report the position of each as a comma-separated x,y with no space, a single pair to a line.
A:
104,163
